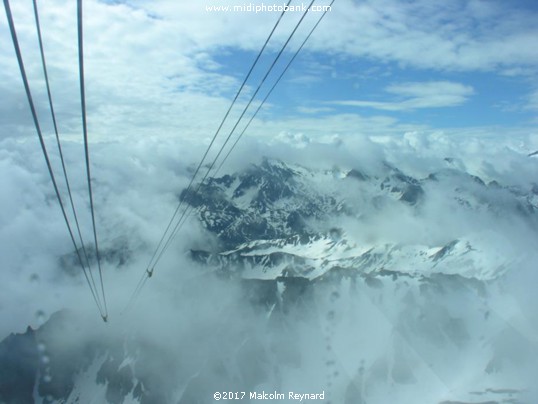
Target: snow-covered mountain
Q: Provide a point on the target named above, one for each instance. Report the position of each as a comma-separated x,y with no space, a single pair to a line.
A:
369,286
282,220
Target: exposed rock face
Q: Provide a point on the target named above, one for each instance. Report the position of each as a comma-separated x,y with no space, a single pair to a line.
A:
19,361
275,220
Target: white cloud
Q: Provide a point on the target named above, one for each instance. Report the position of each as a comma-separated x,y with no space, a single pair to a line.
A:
137,183
474,35
143,74
136,188
314,110
433,94
151,67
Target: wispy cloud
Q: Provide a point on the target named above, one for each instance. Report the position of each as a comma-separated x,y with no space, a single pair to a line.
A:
152,66
460,36
314,110
416,95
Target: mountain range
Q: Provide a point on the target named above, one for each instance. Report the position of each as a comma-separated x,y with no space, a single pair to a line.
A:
372,285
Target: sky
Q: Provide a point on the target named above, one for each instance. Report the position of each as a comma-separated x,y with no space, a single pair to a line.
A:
171,68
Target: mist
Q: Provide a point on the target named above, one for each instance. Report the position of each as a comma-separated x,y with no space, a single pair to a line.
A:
394,331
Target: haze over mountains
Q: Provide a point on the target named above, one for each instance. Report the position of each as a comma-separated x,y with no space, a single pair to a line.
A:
405,274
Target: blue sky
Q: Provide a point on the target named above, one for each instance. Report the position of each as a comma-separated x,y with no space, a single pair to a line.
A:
384,67
449,93
317,82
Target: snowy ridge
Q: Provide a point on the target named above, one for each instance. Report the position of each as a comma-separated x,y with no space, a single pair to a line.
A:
265,259
281,216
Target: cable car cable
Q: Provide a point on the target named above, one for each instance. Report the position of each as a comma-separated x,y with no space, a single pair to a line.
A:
43,146
86,148
60,152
